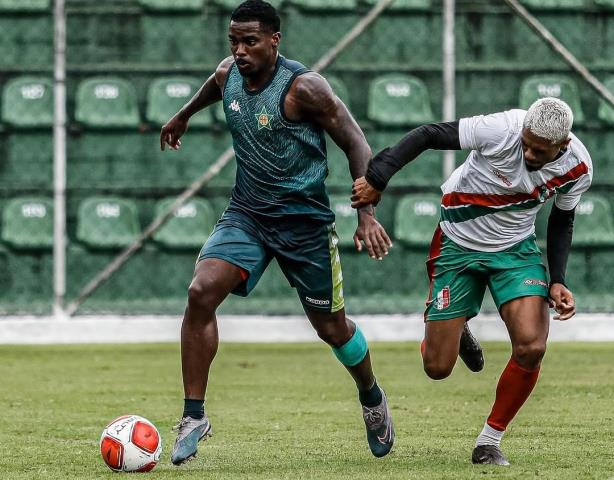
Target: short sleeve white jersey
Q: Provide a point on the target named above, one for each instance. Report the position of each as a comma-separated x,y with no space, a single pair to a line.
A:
490,202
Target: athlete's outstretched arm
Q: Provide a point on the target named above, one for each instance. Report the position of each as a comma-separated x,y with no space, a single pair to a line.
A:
209,93
310,98
436,136
559,236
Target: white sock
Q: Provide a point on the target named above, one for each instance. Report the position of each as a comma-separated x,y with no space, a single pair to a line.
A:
489,436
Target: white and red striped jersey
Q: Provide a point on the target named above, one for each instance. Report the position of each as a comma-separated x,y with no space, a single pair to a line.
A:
490,202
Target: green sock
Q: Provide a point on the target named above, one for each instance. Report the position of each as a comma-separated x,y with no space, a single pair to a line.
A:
372,397
194,408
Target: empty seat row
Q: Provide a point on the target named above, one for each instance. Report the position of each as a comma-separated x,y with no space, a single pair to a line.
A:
112,222
110,102
394,100
104,223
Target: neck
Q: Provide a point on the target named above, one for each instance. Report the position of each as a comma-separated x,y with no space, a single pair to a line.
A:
258,81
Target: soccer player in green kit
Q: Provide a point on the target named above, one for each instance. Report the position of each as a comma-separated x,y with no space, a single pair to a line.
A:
277,112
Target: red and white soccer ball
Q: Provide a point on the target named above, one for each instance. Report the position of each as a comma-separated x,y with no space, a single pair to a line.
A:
130,444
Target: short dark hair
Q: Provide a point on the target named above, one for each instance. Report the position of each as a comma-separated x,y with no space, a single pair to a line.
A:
260,11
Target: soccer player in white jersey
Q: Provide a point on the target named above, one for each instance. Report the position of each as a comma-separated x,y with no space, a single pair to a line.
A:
486,237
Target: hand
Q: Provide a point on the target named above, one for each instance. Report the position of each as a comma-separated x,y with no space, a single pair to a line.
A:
364,194
561,299
372,234
172,131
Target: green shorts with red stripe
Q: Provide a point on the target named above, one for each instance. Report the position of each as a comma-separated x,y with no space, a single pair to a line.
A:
459,276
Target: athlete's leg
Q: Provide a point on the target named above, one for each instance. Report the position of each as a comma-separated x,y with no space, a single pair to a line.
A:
456,289
527,322
213,280
232,259
440,346
350,347
336,330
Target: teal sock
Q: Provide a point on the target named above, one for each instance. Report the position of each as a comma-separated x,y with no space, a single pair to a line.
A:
194,408
372,397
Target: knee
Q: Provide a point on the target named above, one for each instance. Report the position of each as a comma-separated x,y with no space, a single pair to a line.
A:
529,355
436,369
334,335
201,296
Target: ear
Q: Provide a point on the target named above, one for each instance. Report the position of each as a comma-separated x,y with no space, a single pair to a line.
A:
275,38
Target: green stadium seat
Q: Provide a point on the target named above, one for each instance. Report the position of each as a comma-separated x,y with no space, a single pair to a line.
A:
559,86
189,226
106,102
325,4
27,223
593,225
340,89
107,222
416,218
399,100
167,95
606,111
346,219
555,4
27,102
174,6
404,4
24,5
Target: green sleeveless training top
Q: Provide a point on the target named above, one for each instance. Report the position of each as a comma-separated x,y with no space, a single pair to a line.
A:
281,164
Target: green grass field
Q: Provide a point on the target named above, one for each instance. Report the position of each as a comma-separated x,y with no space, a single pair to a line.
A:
290,412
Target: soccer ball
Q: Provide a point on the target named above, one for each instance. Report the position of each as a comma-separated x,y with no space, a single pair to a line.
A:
130,444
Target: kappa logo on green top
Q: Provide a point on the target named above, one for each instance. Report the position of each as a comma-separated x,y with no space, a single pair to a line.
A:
264,119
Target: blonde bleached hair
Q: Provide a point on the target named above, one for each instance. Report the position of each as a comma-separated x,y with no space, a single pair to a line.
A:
549,118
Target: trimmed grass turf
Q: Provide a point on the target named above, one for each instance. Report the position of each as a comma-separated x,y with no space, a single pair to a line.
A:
290,411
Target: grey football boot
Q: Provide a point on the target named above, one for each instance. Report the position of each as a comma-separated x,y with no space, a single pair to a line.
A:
380,430
488,455
470,350
190,431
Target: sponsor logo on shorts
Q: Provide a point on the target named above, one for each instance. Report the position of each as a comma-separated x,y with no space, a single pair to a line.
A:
535,282
317,301
443,298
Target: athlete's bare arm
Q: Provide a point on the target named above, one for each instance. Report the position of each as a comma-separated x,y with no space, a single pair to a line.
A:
310,99
208,94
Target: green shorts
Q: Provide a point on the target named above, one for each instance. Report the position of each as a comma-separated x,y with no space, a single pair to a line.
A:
306,251
459,276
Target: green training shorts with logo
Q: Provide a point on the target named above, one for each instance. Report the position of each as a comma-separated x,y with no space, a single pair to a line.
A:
459,276
306,251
